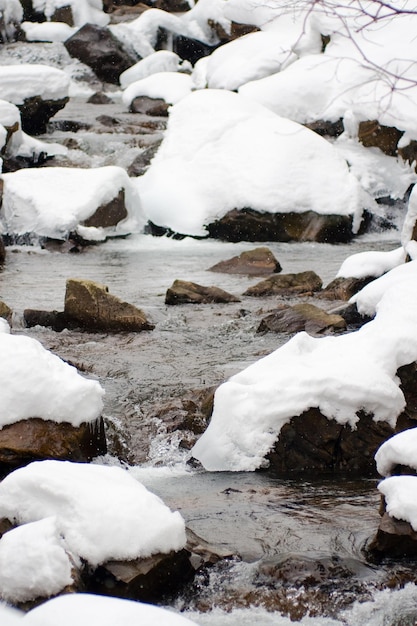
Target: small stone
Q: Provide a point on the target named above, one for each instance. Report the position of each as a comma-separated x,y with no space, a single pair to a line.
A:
255,262
286,285
183,292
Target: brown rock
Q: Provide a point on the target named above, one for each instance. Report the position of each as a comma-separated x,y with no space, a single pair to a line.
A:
311,442
149,106
286,285
250,225
184,292
173,6
99,98
37,439
303,316
373,134
109,214
92,306
63,14
344,288
36,112
98,48
147,580
255,262
394,538
5,311
409,152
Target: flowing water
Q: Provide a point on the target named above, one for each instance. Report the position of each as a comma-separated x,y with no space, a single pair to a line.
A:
298,546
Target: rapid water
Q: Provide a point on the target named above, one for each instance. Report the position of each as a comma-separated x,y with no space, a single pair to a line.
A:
298,545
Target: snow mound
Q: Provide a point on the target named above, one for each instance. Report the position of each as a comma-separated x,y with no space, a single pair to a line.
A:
52,202
398,450
36,383
47,31
340,375
160,61
222,152
82,609
18,82
100,512
371,263
400,497
169,86
83,11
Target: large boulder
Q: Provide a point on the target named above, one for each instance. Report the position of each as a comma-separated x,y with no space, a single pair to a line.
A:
98,48
302,316
185,292
93,308
251,225
286,285
38,439
255,262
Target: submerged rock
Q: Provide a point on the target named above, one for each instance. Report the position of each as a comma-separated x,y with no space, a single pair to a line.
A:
250,225
93,308
286,285
37,439
184,292
302,316
255,262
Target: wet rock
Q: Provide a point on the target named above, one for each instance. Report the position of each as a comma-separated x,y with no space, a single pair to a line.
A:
93,308
184,292
255,262
173,6
35,113
303,316
394,538
344,288
286,285
190,49
50,319
2,247
350,314
249,225
149,106
37,439
373,134
99,49
311,442
326,129
109,214
99,98
143,160
5,311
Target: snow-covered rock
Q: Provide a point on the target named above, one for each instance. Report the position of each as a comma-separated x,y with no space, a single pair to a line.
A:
168,86
11,15
372,263
160,61
398,450
47,31
82,11
52,202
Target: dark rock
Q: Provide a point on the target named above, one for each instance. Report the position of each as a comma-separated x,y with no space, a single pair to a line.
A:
147,580
173,6
344,288
36,439
93,308
149,106
409,152
373,134
184,292
99,49
303,316
143,160
286,285
36,112
255,262
394,538
249,225
326,129
109,214
190,49
63,14
311,442
99,98
2,247
51,319
350,314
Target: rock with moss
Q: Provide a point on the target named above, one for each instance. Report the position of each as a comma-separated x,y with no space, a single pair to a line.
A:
286,285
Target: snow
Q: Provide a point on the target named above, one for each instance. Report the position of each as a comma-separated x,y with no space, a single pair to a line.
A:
169,86
400,497
160,61
86,609
32,559
47,31
53,390
18,82
221,152
12,14
401,449
51,202
83,11
102,513
340,375
372,263
410,219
